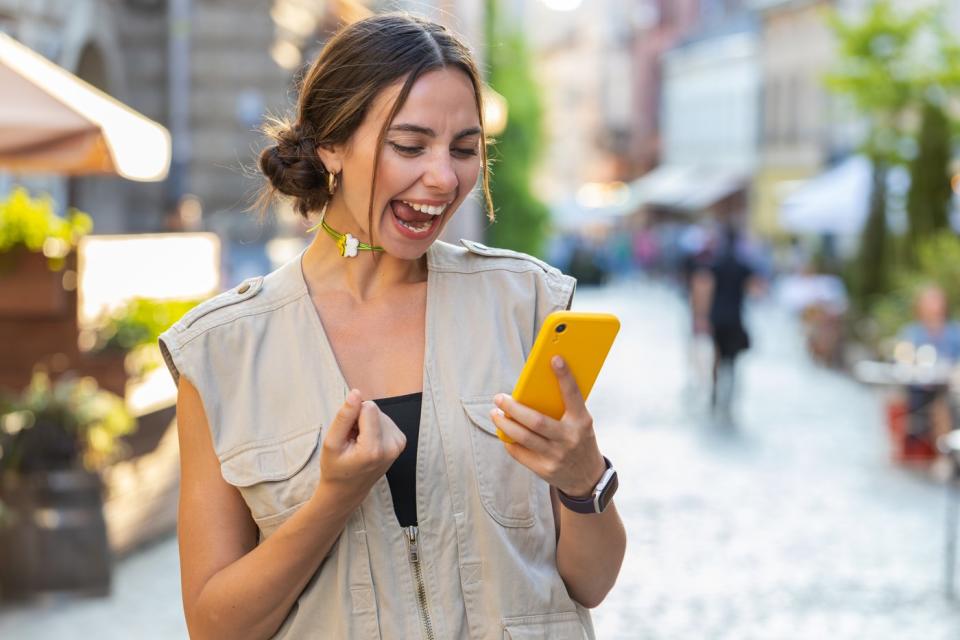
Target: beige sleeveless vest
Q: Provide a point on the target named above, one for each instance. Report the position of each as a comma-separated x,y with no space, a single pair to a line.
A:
483,564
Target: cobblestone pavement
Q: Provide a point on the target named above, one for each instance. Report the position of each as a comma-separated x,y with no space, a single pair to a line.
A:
790,525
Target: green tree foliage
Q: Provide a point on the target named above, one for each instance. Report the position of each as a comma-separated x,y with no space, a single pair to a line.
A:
872,70
897,68
929,199
872,271
522,219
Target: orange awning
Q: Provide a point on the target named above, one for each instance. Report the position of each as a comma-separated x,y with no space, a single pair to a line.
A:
53,122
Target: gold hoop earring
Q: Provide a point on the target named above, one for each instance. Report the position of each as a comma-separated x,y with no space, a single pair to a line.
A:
331,183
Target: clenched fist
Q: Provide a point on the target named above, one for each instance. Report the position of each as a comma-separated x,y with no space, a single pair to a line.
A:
360,445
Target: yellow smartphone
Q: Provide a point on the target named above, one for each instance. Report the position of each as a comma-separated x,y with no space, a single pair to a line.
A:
582,340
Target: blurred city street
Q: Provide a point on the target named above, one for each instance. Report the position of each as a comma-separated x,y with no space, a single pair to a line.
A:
792,524
775,179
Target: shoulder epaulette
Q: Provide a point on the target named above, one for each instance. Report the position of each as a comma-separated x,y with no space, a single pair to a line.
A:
483,250
243,291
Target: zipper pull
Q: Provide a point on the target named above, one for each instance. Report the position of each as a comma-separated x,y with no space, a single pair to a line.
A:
413,550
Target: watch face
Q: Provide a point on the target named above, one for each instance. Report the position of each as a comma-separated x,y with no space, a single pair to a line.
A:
606,494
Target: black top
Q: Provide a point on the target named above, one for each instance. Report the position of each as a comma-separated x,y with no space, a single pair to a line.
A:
731,274
402,474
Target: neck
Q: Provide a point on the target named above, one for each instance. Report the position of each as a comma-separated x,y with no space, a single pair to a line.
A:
367,275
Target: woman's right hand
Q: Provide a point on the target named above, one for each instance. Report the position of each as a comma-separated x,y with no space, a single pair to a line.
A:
360,445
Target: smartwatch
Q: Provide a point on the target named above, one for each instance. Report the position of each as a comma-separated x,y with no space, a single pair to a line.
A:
599,498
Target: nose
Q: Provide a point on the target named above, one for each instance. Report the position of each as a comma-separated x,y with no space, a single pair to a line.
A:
440,175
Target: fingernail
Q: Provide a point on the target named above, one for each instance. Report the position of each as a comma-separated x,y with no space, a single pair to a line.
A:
498,399
493,413
557,362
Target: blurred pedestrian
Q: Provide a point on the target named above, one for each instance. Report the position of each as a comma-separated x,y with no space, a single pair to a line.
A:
645,249
698,246
934,339
340,472
728,280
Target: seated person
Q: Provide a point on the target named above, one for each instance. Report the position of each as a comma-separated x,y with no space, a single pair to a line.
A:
929,407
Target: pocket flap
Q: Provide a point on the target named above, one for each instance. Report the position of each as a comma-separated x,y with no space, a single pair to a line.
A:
478,410
505,486
549,626
269,460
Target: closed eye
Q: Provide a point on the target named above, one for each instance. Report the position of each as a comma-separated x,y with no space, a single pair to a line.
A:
462,152
406,151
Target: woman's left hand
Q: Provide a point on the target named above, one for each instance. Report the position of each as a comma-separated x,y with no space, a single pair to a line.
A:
563,452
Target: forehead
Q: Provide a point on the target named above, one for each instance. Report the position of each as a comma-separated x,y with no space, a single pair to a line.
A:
441,99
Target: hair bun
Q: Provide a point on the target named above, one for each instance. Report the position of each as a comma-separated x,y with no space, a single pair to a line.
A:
293,168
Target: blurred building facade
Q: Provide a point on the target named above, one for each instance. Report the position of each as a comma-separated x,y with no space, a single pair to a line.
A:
708,115
208,70
797,139
584,71
200,67
710,103
658,25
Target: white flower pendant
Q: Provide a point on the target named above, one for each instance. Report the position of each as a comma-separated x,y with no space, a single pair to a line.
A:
350,245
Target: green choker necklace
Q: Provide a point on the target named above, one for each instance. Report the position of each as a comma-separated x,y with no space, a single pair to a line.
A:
346,243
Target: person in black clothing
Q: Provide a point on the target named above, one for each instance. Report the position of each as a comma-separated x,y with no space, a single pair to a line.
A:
730,276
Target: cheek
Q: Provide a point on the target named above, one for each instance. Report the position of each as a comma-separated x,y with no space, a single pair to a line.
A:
394,175
468,174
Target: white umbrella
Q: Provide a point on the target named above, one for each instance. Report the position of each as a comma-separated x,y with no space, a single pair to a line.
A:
835,201
53,122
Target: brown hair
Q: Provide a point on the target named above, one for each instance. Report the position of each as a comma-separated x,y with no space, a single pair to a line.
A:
338,90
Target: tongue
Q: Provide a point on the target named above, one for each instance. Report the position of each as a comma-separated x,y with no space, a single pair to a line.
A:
408,214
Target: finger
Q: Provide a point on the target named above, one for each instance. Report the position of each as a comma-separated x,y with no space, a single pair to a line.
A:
524,456
369,423
530,418
395,440
519,433
342,424
572,398
399,443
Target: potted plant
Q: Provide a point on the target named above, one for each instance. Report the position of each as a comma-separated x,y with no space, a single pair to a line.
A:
133,330
55,437
34,246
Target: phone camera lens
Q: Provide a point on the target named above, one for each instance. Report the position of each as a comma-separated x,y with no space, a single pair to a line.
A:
561,328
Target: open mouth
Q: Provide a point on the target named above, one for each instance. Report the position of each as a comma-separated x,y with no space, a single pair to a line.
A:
415,220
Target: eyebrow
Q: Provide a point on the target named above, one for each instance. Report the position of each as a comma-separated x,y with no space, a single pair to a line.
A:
415,128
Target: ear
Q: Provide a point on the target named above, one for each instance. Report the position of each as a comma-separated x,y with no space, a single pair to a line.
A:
331,157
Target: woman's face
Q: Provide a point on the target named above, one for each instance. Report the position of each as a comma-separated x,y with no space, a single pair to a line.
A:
429,163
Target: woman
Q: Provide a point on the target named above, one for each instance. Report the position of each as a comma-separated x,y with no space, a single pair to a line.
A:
341,476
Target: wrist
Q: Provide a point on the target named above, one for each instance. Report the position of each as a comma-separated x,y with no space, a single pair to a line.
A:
585,488
600,495
338,497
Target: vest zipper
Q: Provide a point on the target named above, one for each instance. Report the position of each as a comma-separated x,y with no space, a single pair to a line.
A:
413,555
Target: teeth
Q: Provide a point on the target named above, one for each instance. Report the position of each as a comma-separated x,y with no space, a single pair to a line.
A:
433,210
416,228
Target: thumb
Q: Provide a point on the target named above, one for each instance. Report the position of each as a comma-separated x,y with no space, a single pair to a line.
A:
343,423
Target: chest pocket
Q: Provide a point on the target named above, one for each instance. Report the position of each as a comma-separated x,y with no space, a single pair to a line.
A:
507,488
275,477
